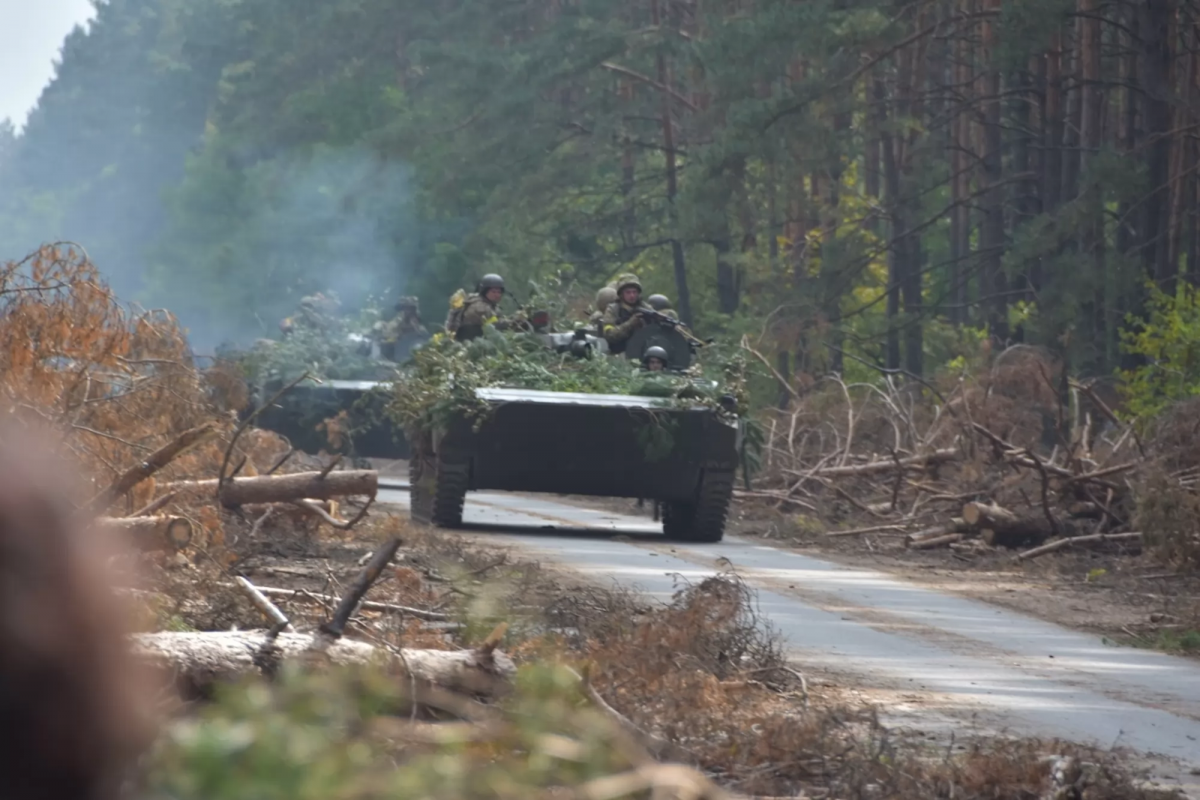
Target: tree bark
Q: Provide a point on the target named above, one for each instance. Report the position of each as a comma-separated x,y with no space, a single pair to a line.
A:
1000,527
201,660
285,488
1096,538
150,533
683,294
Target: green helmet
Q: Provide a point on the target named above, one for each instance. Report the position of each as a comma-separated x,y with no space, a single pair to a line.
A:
658,302
627,280
606,297
490,281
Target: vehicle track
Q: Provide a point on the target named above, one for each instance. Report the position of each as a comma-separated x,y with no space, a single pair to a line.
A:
953,658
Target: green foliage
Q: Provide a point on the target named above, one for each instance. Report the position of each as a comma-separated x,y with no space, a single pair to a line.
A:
326,352
441,380
313,737
1168,342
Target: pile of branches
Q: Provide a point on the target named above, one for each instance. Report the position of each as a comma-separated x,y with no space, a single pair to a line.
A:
1019,457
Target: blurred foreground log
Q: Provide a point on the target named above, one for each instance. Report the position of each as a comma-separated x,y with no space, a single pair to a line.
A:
285,488
150,533
200,660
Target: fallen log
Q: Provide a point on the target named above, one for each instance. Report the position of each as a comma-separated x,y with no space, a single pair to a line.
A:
1076,540
925,459
920,539
150,533
930,542
262,489
1000,527
198,661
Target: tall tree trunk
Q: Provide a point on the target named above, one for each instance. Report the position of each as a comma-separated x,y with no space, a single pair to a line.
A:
992,238
1156,51
1091,121
1052,143
683,298
897,262
962,158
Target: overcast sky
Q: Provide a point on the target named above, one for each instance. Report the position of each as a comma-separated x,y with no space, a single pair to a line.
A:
31,33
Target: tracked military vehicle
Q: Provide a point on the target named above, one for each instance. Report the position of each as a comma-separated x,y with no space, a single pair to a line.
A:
586,444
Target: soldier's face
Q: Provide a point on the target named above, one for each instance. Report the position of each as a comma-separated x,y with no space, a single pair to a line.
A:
630,294
655,365
494,295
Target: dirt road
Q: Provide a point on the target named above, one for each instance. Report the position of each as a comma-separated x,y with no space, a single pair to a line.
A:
937,661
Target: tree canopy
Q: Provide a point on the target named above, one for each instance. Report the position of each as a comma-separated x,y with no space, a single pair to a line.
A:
847,182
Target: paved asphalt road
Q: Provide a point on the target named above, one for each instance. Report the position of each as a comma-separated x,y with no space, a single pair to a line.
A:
941,658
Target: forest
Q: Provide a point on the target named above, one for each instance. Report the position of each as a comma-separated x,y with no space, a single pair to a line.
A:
855,184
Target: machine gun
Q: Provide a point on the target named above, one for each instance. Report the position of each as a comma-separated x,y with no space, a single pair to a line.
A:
671,323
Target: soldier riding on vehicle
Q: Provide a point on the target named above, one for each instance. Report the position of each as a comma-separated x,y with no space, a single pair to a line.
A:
405,323
604,298
661,304
622,318
655,359
468,315
317,311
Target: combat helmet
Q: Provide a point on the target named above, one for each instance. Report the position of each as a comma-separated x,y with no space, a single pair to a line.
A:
658,302
655,352
490,281
407,304
627,280
606,297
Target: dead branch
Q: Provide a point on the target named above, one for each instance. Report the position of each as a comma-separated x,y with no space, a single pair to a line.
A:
244,424
1077,540
359,588
366,605
654,746
341,525
955,525
153,463
157,505
268,609
265,489
936,457
871,529
931,542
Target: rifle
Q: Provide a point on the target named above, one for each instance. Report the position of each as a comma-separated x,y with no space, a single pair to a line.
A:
659,318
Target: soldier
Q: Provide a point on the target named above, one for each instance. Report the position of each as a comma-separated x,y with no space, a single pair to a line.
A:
318,311
466,321
661,304
654,359
621,318
604,298
406,322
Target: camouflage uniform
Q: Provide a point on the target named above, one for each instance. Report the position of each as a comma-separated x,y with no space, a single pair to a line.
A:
621,319
316,311
477,311
406,322
604,298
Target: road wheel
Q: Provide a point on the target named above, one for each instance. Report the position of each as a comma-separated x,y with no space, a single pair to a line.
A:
703,520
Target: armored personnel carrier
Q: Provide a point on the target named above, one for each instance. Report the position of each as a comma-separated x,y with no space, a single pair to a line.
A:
586,444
